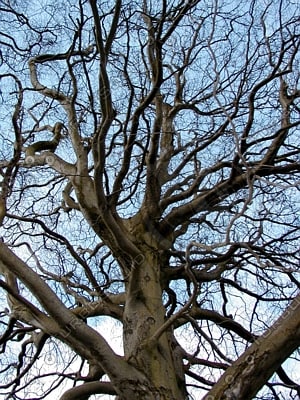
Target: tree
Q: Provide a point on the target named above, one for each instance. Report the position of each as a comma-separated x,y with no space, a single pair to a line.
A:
150,172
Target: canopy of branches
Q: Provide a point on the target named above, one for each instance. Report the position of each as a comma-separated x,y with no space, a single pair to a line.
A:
149,169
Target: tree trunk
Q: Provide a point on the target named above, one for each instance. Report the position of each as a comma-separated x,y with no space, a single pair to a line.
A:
144,314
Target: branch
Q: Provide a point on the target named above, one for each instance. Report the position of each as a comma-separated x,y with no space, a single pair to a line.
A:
223,322
53,93
184,309
22,309
48,158
214,196
84,391
82,338
263,358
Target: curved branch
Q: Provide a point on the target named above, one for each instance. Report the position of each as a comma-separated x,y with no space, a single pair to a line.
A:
212,197
84,391
85,340
52,93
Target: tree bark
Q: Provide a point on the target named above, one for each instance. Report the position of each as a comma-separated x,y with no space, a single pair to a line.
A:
251,371
144,314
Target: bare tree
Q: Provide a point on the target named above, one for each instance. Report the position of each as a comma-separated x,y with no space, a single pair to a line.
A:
150,176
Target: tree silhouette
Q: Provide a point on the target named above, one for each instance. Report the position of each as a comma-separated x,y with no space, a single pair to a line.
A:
149,176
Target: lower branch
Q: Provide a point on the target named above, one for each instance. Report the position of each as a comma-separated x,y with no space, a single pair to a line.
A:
84,391
263,358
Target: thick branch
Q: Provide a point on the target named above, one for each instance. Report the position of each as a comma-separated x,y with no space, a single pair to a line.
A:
85,340
263,358
83,392
219,192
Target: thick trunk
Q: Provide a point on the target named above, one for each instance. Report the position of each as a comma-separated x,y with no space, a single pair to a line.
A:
158,361
138,378
144,315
